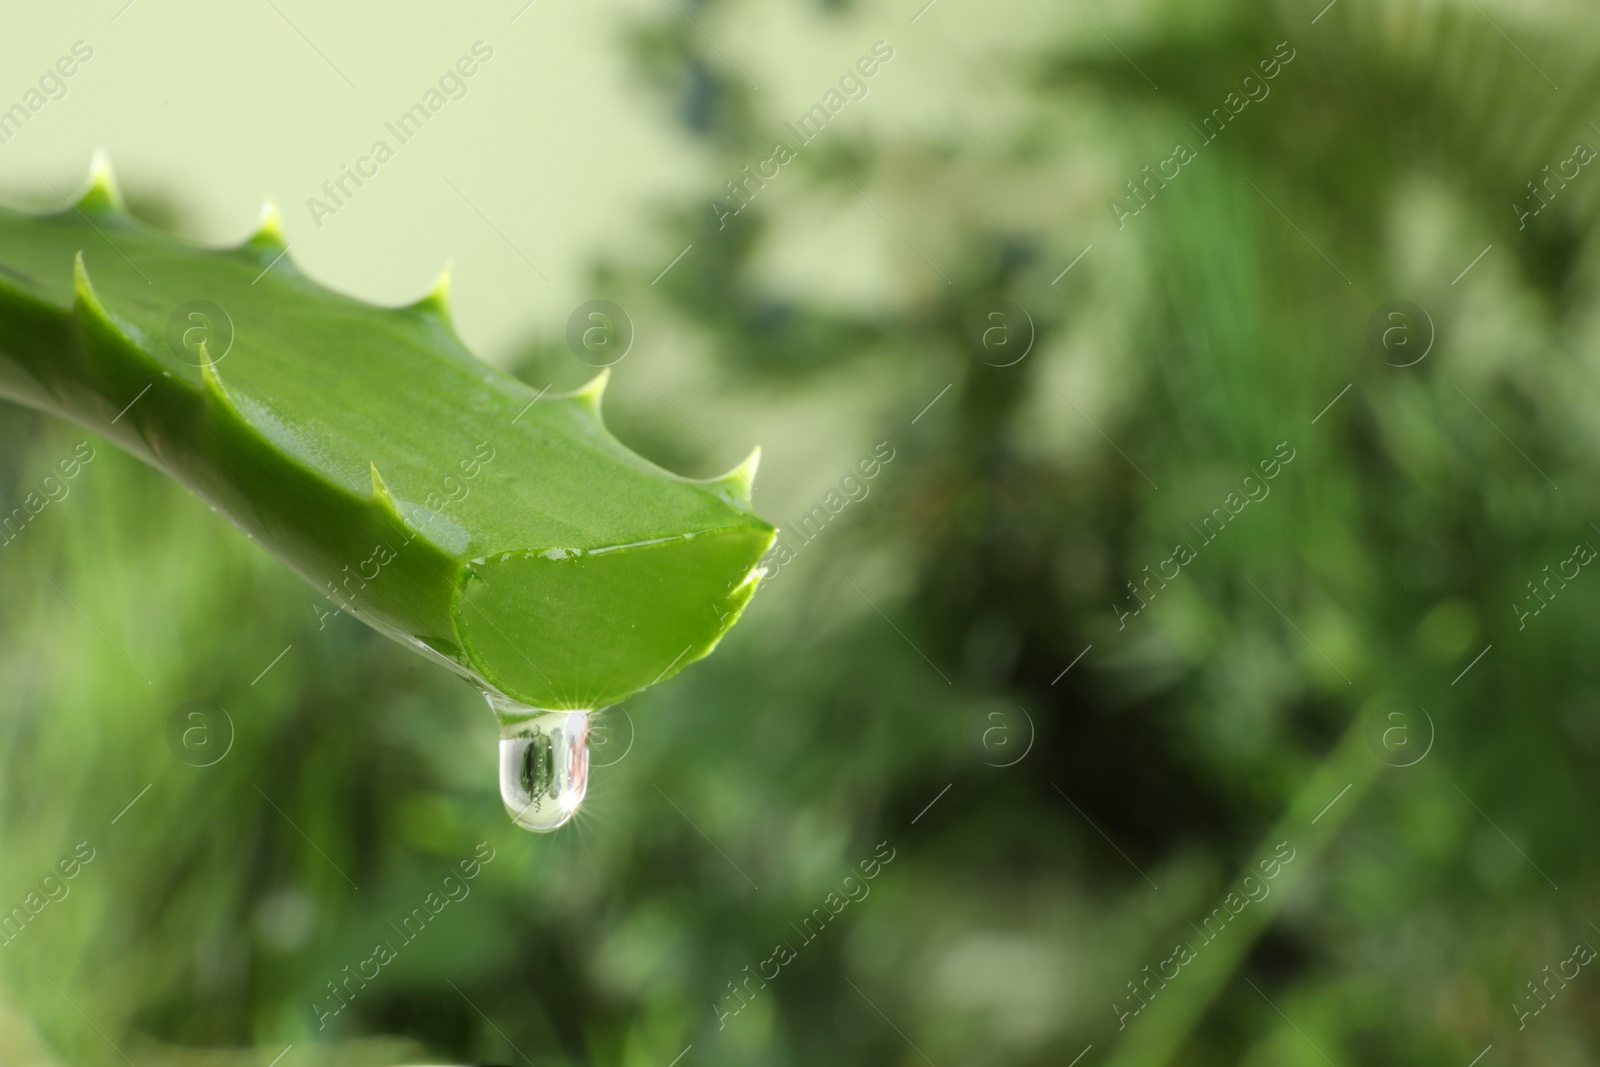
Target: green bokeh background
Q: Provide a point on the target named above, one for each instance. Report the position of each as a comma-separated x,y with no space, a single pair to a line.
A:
920,641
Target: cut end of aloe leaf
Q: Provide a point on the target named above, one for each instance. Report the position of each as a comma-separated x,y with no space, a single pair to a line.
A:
499,528
606,622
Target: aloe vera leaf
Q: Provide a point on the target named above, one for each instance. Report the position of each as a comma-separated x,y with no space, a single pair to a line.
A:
503,533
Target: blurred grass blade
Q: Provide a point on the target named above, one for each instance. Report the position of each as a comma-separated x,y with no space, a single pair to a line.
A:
1345,776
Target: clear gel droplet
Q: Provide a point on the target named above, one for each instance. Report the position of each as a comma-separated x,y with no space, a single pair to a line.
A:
544,763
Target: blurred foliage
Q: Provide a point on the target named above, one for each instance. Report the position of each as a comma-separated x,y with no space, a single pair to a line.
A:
867,679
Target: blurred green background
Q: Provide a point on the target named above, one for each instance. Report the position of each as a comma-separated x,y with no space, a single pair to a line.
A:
1353,667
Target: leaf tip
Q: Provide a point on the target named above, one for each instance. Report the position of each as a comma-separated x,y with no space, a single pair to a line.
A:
269,229
211,385
389,507
102,195
736,486
380,489
437,300
208,373
82,288
592,390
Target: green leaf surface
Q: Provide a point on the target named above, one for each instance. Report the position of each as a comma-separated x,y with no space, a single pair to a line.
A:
503,532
